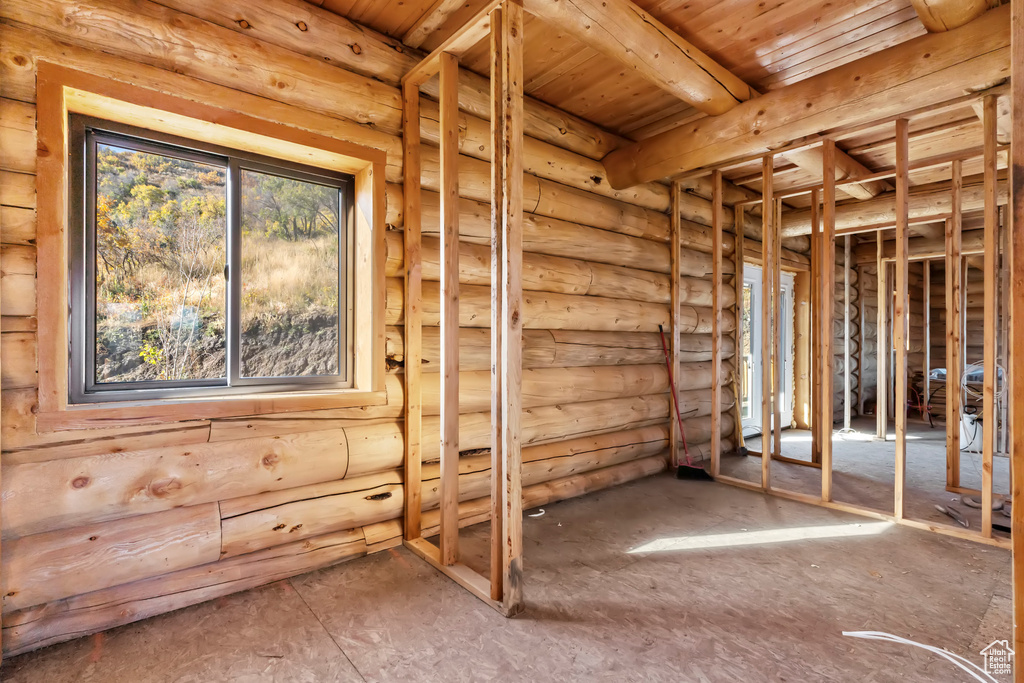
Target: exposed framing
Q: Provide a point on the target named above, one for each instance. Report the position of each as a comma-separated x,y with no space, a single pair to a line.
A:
823,253
502,589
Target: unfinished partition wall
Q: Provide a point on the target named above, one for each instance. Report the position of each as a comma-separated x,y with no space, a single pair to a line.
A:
904,292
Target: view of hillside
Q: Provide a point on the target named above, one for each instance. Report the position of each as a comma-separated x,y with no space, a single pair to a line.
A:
161,295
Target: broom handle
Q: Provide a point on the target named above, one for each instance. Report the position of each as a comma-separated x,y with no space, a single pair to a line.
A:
675,399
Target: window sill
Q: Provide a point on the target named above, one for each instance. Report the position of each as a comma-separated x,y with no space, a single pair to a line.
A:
124,414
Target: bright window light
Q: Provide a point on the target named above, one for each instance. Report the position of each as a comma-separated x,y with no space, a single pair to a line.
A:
763,537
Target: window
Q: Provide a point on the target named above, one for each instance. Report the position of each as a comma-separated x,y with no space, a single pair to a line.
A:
201,271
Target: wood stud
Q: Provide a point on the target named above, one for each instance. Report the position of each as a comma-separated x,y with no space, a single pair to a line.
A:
716,321
900,308
990,419
828,287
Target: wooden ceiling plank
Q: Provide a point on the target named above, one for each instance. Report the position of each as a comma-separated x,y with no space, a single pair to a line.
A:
890,37
900,79
808,44
865,35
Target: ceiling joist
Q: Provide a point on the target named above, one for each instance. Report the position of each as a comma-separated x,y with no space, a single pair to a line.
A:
927,71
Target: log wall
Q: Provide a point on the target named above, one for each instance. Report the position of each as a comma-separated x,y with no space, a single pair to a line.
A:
106,526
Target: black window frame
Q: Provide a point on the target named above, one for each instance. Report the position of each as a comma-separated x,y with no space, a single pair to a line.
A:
84,134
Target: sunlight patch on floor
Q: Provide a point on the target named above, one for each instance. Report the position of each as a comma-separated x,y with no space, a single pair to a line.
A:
763,537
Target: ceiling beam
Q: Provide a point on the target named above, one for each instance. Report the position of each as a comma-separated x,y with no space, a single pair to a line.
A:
626,33
621,30
434,19
934,200
926,71
943,15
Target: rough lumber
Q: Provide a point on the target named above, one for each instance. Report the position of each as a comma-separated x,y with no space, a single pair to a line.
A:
1016,352
925,71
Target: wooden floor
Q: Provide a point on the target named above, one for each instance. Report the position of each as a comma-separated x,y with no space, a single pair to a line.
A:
659,580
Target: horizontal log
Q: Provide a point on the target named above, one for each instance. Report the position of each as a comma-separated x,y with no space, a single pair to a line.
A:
265,520
329,37
17,136
46,567
58,494
882,209
549,273
17,189
100,610
548,198
550,311
380,447
972,242
557,348
161,37
17,225
17,279
542,159
18,360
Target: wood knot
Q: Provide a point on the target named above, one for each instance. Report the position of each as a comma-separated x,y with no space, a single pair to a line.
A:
269,460
163,487
19,60
244,24
355,48
295,528
279,527
93,538
379,496
301,25
80,482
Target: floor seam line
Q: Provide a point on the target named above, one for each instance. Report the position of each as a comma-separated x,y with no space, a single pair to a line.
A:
329,634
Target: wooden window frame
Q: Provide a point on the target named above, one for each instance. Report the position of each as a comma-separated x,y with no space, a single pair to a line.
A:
62,91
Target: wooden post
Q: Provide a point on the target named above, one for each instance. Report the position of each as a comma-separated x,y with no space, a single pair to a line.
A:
990,419
737,284
882,344
767,259
675,244
847,374
716,320
413,310
861,322
828,288
449,485
926,381
954,352
900,307
1016,353
497,261
776,272
512,301
816,332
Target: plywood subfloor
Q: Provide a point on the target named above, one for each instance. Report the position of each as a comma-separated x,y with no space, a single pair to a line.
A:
863,471
659,580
